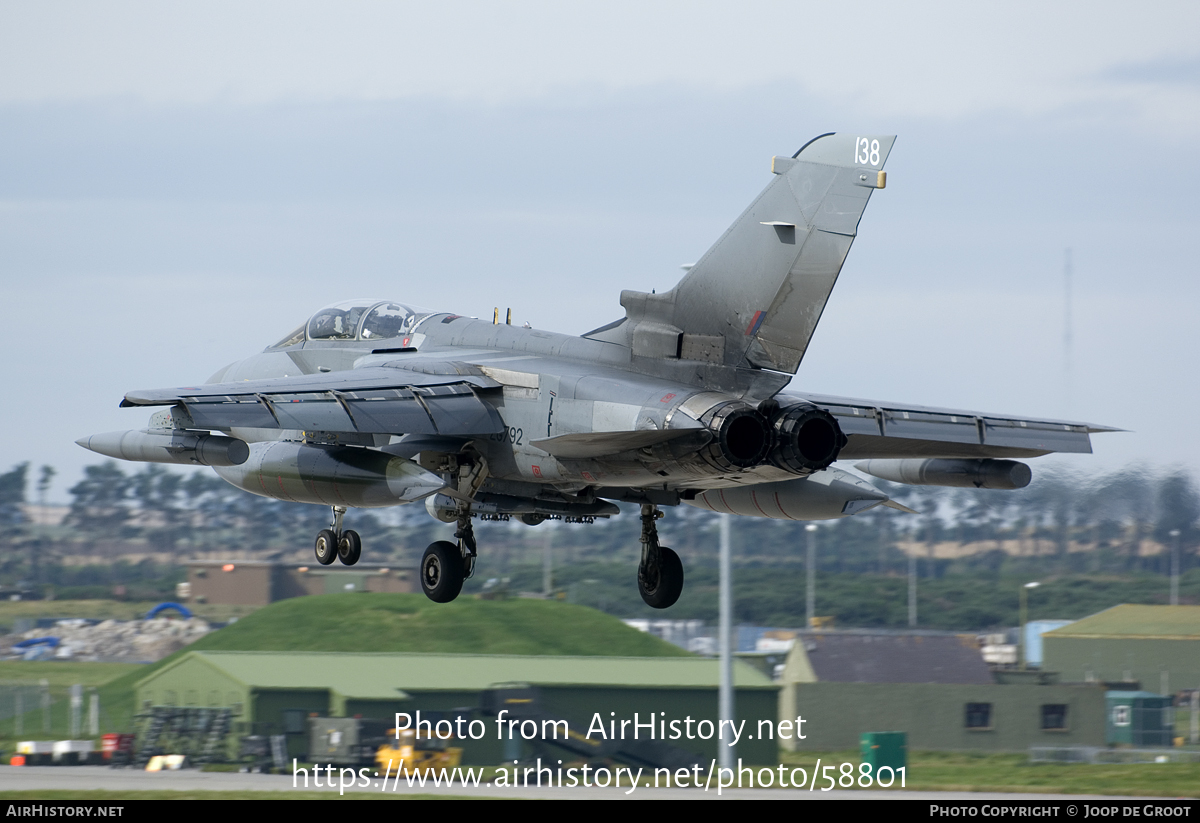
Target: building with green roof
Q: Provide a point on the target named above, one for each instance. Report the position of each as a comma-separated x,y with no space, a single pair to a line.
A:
273,692
1156,646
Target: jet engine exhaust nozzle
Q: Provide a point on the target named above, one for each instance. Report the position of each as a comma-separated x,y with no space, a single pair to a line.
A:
741,436
807,439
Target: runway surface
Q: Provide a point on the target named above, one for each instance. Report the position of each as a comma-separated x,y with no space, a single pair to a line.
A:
90,778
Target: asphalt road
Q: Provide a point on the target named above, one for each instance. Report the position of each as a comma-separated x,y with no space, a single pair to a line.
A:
87,778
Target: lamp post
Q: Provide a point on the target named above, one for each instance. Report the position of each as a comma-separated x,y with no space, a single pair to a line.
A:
912,590
1175,567
1024,615
725,638
810,607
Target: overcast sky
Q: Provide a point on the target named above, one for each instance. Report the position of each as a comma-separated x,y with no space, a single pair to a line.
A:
181,184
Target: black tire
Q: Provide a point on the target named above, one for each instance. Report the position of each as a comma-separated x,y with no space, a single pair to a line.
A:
326,547
442,572
661,590
349,548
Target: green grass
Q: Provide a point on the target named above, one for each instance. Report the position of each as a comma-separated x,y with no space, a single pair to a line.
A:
985,772
60,676
411,623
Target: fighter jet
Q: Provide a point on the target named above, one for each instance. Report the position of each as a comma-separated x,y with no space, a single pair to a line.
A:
376,402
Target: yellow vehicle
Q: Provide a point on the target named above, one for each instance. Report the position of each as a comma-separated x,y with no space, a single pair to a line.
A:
410,752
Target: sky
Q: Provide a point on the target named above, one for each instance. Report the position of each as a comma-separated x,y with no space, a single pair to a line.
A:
182,184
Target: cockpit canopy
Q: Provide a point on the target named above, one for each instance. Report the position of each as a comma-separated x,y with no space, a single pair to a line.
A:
358,320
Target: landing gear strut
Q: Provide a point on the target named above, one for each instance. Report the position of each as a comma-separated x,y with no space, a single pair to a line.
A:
660,573
335,543
445,566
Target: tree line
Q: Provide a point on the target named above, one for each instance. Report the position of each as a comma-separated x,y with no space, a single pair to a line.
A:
1117,523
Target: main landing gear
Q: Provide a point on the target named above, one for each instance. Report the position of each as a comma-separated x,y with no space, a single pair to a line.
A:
660,574
334,543
445,566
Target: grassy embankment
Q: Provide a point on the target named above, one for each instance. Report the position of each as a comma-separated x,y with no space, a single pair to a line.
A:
368,623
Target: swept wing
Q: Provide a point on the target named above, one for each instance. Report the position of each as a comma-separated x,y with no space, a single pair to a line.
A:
371,400
879,429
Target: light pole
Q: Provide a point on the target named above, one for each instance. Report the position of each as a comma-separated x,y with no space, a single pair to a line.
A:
1021,644
725,638
547,563
1175,568
810,607
912,590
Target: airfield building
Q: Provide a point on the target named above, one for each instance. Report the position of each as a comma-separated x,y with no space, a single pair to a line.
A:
257,583
933,686
1157,647
276,692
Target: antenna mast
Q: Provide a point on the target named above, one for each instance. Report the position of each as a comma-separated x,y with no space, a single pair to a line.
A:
1067,274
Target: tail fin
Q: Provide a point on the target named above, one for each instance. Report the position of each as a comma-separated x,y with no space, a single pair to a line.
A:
755,297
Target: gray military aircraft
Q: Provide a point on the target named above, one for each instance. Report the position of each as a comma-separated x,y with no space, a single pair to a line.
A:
379,403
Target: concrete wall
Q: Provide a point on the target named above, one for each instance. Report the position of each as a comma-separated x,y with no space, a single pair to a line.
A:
934,715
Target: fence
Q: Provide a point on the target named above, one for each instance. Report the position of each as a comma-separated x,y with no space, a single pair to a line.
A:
20,701
1095,754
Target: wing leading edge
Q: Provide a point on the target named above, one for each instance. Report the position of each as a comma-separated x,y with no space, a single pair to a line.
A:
378,400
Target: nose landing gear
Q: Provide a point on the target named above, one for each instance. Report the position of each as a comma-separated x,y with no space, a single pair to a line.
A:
335,543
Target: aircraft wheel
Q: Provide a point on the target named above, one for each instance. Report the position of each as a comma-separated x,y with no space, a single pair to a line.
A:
661,587
442,572
349,548
326,547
